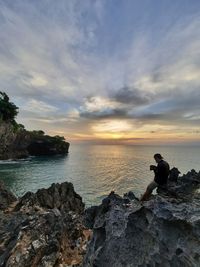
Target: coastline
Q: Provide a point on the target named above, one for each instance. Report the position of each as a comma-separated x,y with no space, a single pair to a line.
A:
121,231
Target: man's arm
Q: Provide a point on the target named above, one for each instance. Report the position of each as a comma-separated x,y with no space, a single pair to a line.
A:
153,167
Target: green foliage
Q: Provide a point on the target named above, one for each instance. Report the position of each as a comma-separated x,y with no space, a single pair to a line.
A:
38,133
8,110
59,138
17,127
21,126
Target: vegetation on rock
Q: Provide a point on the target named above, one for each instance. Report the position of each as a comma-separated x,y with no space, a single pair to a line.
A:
8,110
17,142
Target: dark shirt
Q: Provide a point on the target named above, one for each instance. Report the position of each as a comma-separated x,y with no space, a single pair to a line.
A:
161,172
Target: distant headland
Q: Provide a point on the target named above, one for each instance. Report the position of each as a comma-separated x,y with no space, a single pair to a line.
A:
17,142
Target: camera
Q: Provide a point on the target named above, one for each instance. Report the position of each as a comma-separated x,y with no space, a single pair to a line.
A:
152,167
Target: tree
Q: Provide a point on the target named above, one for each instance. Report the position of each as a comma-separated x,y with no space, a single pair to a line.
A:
59,138
38,132
8,110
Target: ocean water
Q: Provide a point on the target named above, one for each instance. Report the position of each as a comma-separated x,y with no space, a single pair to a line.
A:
95,170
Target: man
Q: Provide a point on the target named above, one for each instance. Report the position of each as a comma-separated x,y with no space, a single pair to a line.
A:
161,175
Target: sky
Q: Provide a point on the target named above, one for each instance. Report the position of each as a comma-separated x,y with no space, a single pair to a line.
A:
104,71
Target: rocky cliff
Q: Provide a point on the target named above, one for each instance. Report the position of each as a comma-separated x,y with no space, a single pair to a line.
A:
16,142
164,231
42,229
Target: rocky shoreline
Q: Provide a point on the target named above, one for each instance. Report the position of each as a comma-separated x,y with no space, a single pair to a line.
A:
16,143
52,228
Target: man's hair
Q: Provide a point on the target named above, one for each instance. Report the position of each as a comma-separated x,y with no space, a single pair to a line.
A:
157,155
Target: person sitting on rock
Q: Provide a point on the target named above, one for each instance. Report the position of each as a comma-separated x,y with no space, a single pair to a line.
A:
161,175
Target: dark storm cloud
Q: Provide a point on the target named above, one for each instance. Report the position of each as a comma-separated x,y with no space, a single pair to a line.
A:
104,114
134,96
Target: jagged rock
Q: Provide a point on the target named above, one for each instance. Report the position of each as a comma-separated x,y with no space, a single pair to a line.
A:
174,174
40,239
59,196
6,197
44,229
164,231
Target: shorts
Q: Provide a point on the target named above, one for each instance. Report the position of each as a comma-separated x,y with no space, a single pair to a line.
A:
152,186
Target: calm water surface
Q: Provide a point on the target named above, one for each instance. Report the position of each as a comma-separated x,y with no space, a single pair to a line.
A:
95,170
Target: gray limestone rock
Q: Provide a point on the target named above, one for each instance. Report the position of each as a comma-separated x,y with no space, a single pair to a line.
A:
164,231
43,229
60,196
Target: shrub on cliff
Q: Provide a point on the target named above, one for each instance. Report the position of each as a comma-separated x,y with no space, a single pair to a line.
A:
37,133
8,110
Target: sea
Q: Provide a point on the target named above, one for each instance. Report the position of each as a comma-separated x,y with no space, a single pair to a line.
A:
96,170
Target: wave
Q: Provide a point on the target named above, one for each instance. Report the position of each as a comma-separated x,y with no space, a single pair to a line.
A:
12,161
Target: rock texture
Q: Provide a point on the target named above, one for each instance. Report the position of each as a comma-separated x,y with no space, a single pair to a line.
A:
57,196
164,231
6,197
43,229
13,143
16,142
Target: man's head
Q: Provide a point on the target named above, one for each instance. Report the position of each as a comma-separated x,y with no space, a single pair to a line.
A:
158,157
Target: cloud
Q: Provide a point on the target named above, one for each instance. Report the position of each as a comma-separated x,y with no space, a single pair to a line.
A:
116,126
117,104
39,107
45,47
106,113
100,108
73,65
132,96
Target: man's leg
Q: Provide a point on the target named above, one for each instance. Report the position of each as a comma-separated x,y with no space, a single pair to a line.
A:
148,191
